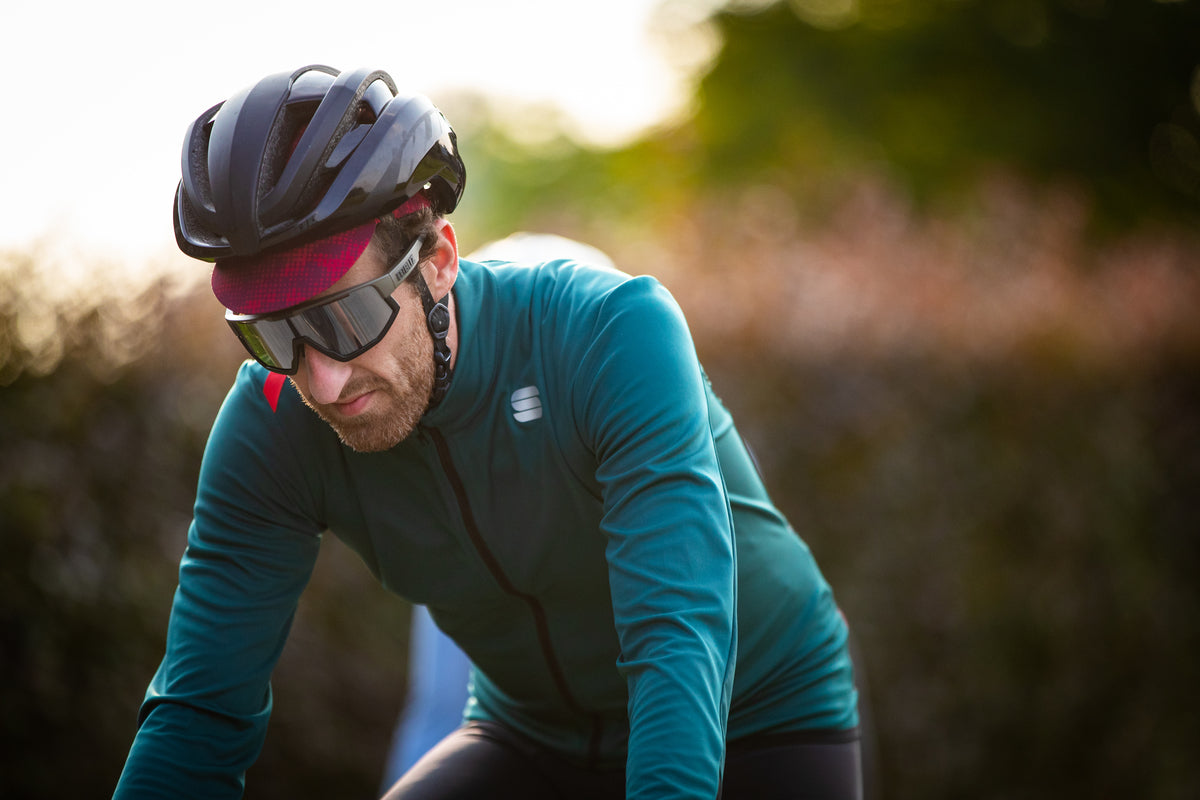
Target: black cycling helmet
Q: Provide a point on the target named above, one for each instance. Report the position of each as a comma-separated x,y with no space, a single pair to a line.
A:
305,154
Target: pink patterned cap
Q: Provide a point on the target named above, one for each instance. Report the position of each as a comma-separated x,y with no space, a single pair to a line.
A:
262,284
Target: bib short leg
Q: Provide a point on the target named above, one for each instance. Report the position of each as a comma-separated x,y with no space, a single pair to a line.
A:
487,760
818,765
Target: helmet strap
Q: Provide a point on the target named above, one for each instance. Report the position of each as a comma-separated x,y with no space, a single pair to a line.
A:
437,319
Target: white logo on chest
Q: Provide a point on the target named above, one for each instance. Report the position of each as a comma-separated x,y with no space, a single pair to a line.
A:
527,405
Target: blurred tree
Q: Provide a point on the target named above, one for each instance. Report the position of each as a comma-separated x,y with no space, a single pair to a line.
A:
1105,94
811,96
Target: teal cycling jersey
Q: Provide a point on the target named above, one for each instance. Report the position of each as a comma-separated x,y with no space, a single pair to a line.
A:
579,514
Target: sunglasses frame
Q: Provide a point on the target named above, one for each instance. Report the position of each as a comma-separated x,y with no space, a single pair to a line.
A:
385,285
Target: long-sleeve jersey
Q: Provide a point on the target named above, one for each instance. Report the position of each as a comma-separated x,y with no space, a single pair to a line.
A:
579,514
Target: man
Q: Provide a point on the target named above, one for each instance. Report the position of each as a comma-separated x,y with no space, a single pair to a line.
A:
530,450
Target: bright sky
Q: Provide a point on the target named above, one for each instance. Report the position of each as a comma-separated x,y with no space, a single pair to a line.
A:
98,95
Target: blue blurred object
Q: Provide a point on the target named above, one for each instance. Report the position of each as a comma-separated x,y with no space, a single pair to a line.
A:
437,693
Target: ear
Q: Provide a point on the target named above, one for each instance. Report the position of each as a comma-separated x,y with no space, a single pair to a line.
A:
441,269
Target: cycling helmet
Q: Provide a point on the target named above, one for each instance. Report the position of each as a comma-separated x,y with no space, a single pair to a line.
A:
303,155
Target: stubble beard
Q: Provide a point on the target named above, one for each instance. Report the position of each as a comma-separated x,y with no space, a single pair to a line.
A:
401,399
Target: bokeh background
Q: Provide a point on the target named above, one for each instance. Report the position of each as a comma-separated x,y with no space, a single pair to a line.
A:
941,258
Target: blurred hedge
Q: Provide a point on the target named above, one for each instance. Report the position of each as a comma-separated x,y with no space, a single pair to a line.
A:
1000,484
1016,549
105,403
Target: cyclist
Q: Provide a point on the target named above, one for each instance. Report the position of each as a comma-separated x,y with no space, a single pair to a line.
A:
530,450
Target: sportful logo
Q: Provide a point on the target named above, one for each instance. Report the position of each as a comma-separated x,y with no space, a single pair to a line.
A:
527,406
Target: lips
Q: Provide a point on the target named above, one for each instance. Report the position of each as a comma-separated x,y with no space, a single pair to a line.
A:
354,407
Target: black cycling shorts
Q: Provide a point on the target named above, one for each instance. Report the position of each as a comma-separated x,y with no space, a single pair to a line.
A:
488,760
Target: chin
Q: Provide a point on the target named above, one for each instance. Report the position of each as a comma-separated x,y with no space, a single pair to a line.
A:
377,429
391,418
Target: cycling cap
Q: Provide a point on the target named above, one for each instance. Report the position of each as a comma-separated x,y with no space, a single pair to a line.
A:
315,154
276,279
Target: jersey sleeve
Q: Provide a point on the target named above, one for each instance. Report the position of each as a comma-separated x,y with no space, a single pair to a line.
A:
250,551
669,538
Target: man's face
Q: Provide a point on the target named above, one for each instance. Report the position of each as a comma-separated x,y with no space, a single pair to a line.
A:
374,401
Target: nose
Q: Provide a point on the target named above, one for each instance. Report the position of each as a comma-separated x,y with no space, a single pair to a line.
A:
326,376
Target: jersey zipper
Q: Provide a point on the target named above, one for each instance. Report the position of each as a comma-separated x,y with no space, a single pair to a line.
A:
538,612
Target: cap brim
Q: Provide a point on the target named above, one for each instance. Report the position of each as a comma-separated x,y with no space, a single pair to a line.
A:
262,284
269,282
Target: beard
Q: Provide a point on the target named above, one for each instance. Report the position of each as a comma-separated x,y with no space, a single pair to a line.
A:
401,398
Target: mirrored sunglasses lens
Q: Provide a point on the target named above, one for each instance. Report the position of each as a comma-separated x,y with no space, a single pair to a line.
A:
269,341
345,326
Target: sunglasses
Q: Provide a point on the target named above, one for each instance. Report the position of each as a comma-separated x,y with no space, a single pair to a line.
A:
342,326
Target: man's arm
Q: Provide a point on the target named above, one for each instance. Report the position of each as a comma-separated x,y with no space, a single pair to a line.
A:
670,540
251,549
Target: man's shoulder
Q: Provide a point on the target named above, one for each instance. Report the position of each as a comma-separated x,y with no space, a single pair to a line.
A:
261,403
257,389
558,271
562,284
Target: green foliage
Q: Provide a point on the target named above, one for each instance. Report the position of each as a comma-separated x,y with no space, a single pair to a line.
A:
1100,94
1100,97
